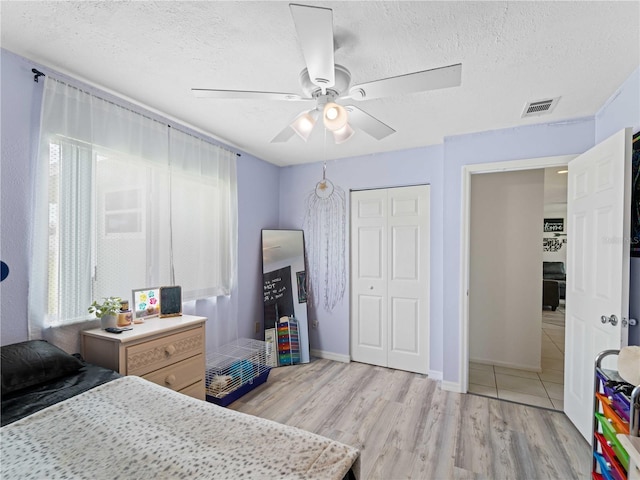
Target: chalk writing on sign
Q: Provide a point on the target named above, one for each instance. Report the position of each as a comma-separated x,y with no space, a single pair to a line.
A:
274,289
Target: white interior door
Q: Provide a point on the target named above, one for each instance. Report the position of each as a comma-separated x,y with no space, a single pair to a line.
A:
598,209
390,277
408,284
369,277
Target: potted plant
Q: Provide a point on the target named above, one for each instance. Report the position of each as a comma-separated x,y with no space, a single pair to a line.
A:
107,311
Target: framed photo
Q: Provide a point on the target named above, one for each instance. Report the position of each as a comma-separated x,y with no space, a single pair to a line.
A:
554,224
146,302
170,301
301,277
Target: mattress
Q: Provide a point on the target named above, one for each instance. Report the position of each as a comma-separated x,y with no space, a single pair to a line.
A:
132,428
25,402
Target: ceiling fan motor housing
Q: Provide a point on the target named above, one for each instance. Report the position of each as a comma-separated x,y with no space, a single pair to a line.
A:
342,81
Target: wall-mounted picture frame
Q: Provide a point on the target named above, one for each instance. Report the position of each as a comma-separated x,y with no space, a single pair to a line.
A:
554,224
145,302
301,277
171,301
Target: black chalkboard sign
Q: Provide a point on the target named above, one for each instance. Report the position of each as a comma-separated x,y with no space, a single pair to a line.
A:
170,301
277,291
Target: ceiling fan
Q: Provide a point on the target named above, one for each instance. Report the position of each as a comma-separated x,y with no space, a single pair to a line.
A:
324,83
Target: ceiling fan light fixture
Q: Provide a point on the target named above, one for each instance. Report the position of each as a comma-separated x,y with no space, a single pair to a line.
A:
343,134
304,123
334,116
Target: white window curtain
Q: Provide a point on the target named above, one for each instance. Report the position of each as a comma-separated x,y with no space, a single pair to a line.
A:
122,201
203,185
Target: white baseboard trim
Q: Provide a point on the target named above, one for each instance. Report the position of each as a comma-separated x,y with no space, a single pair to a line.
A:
434,374
330,356
451,386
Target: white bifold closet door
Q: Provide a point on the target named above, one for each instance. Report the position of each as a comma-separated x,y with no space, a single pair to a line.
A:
390,277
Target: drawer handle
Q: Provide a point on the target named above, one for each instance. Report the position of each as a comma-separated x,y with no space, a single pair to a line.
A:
610,421
170,380
170,350
608,443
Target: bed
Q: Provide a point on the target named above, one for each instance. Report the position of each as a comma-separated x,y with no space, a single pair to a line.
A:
128,427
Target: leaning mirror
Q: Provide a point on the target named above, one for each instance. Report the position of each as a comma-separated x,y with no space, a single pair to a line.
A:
284,281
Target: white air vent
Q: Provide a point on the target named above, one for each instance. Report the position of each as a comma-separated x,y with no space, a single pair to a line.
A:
540,107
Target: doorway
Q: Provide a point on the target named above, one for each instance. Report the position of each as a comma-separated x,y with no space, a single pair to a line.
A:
598,200
516,349
550,342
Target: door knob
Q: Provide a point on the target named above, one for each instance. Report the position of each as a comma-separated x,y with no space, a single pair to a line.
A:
613,320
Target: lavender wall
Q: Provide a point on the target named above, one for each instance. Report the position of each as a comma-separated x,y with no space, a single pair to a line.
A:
620,111
258,195
272,197
20,113
258,199
408,167
440,166
544,140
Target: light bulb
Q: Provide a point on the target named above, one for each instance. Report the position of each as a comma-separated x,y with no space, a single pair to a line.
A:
334,116
343,134
332,113
304,123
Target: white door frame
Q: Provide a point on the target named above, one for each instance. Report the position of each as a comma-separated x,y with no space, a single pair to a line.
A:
467,171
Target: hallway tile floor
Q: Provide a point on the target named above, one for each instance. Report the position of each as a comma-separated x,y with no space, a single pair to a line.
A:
543,389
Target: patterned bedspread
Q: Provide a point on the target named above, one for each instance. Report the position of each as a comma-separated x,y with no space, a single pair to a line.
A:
133,429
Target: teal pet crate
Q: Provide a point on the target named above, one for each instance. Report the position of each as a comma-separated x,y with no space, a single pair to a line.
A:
235,369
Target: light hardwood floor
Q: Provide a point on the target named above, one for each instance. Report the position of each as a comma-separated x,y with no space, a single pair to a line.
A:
406,426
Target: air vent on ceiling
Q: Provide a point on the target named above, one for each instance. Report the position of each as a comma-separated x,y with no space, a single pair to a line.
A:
540,107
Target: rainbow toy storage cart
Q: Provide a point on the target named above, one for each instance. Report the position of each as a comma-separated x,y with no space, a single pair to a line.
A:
288,342
616,411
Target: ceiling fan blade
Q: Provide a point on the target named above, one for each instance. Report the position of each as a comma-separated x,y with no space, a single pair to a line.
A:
314,26
286,133
433,79
245,94
367,123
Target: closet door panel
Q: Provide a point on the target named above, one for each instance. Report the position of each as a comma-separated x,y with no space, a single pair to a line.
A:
408,285
390,277
369,278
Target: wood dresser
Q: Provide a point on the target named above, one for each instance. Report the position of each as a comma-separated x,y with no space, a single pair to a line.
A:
167,351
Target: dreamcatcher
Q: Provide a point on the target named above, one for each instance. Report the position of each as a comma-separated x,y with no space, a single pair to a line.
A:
324,226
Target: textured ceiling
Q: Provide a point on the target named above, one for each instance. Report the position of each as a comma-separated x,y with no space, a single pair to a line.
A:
511,53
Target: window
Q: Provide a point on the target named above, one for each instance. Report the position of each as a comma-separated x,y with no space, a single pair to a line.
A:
69,230
123,213
124,202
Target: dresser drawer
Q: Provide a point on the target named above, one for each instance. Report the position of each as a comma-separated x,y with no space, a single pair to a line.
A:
179,375
149,356
196,390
